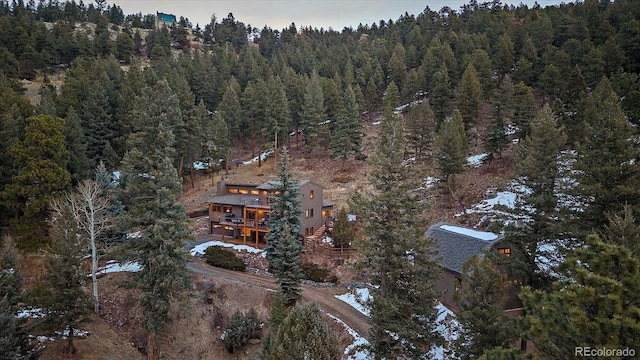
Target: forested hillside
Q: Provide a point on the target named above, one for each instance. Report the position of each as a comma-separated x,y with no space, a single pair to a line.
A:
561,81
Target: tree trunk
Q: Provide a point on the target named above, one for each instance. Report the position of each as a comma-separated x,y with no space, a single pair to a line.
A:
180,168
94,275
70,348
151,346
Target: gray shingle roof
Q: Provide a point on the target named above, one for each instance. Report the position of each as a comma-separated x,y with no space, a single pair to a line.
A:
268,185
457,247
232,199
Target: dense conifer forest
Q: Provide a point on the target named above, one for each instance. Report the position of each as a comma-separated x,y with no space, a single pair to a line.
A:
150,102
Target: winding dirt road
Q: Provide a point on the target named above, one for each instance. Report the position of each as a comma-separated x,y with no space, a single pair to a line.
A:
324,297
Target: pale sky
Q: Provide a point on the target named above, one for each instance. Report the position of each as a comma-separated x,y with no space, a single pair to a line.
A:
279,14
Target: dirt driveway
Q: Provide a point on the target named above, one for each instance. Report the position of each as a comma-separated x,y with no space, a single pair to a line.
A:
324,297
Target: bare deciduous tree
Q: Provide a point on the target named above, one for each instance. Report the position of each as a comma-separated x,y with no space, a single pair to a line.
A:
90,210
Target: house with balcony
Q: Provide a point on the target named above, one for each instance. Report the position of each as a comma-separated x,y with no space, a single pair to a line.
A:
241,211
163,20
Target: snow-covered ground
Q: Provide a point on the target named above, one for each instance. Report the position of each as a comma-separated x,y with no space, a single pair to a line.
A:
448,325
113,266
482,235
33,313
262,156
476,160
357,346
356,299
200,249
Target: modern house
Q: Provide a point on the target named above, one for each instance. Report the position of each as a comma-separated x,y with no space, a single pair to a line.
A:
241,211
165,20
458,244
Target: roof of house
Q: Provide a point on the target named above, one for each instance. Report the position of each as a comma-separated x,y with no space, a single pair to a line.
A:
166,17
326,203
233,199
458,244
270,184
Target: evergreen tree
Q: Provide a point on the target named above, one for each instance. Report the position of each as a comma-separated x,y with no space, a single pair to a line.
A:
14,340
421,130
284,219
483,322
469,96
304,334
496,139
79,165
229,110
598,305
623,230
523,108
152,187
41,159
65,299
343,232
346,134
537,164
400,259
312,116
277,116
608,175
286,265
440,95
451,155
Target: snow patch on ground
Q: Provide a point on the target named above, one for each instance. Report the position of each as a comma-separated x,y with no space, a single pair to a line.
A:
356,350
356,299
262,157
476,160
34,313
482,235
376,123
200,249
327,240
78,333
113,266
448,327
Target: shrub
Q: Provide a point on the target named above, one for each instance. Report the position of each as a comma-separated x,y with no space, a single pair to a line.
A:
225,259
314,272
342,179
240,329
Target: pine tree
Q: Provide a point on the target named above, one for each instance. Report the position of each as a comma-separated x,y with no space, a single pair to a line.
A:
523,108
152,187
451,155
312,116
440,95
79,164
284,219
496,139
623,230
483,322
277,116
66,301
469,96
607,157
14,340
537,164
286,265
346,134
400,259
229,110
421,130
41,159
598,305
304,334
343,232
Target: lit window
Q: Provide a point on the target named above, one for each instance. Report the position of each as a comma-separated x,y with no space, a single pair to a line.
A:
311,194
244,191
306,214
504,251
227,209
255,192
233,191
